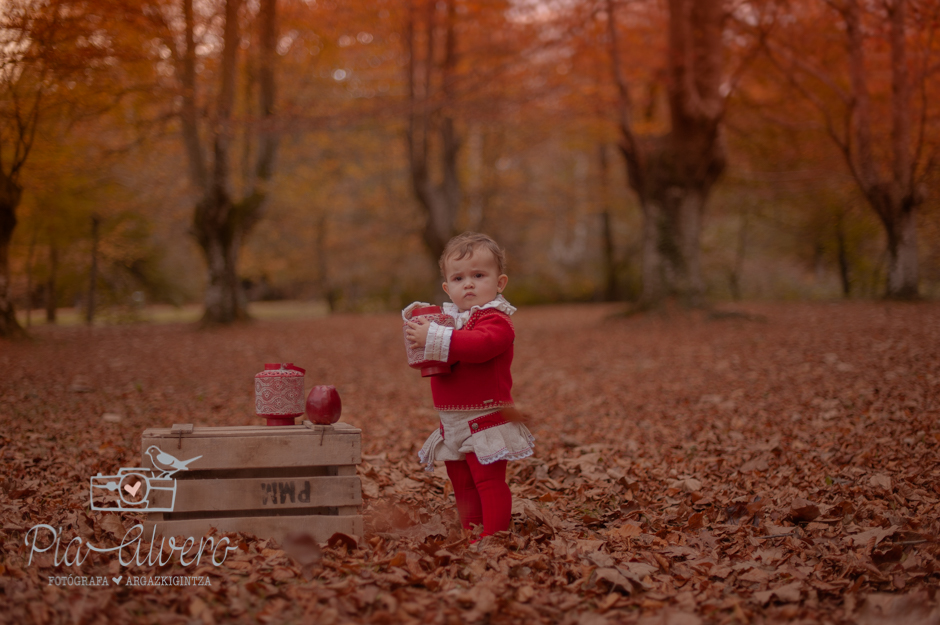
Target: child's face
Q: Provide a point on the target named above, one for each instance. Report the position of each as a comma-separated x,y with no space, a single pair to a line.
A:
473,280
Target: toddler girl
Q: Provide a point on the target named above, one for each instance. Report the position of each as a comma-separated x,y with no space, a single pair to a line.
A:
480,429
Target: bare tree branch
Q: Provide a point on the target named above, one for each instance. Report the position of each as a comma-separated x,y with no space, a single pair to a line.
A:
268,137
921,80
629,145
900,98
188,115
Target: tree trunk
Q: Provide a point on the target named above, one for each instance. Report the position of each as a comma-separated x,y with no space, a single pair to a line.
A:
607,234
220,223
904,193
29,278
672,228
674,174
439,196
894,198
843,255
93,273
325,285
740,253
217,229
903,277
10,194
225,299
887,176
51,294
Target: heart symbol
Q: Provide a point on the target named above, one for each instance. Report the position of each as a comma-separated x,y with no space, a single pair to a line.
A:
117,580
132,489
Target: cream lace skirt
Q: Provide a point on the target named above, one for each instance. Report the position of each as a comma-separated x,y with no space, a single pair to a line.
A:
508,441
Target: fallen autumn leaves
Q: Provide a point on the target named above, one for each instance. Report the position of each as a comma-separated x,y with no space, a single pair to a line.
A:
687,470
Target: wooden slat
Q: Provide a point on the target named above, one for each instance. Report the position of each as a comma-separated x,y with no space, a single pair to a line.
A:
250,430
301,447
189,430
339,425
231,433
276,527
261,494
239,428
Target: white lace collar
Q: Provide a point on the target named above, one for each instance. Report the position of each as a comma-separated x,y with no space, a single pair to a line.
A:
461,318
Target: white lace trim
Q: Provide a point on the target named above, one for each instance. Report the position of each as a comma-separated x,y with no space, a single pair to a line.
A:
437,346
482,408
465,415
427,457
505,454
461,318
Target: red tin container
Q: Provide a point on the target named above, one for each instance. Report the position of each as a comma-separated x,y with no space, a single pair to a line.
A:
279,393
416,358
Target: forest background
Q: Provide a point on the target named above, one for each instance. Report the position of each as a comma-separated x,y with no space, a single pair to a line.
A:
217,151
764,466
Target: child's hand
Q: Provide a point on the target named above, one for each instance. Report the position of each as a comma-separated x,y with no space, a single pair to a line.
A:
417,332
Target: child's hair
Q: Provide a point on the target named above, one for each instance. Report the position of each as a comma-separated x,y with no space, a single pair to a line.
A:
464,245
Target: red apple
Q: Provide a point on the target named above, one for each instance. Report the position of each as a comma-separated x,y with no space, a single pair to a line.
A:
323,405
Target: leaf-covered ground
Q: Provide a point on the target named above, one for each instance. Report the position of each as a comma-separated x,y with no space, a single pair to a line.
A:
690,468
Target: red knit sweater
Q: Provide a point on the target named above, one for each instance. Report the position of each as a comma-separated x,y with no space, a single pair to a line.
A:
481,354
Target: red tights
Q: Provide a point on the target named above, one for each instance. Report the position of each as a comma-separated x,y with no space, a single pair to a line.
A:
482,493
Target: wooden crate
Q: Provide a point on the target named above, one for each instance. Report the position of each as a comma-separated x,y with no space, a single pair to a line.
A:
269,481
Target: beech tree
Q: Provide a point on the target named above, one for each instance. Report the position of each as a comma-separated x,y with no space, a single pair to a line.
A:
57,64
461,55
861,111
673,173
221,218
434,176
